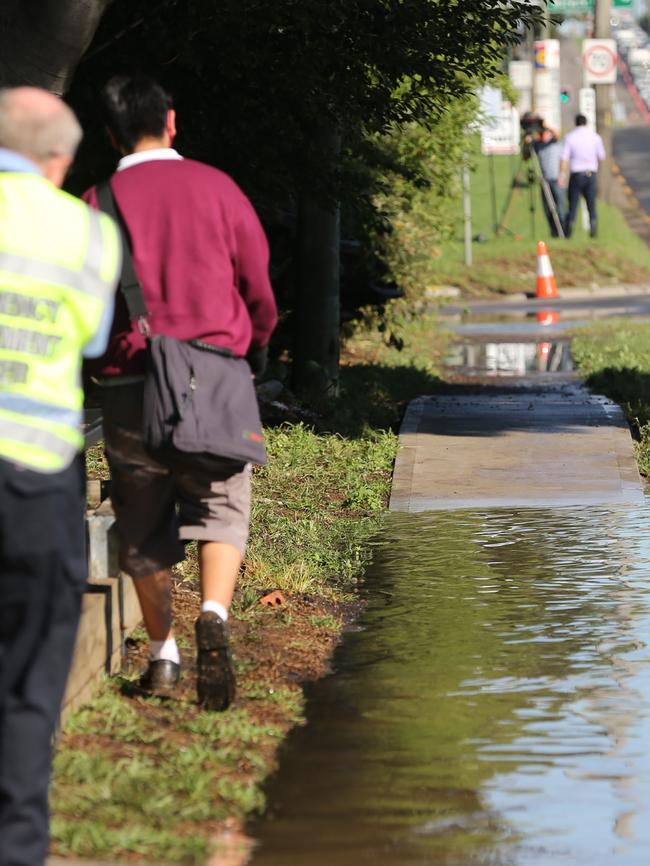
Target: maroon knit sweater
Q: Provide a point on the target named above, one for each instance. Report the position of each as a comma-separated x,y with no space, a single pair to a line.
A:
201,256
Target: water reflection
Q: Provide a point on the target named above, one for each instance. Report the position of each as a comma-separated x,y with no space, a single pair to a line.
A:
510,358
494,708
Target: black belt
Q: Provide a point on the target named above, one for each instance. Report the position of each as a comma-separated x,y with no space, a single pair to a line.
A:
586,173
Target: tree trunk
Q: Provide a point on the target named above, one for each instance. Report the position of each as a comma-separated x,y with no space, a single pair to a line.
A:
603,30
42,41
318,306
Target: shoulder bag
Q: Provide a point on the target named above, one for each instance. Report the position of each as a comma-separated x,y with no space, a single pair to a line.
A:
198,398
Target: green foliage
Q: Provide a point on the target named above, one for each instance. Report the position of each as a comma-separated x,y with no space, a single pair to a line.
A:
149,782
615,355
96,464
314,505
326,621
507,263
256,82
262,88
140,792
419,194
396,354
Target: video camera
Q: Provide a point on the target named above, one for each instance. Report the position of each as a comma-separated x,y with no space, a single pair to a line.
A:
531,123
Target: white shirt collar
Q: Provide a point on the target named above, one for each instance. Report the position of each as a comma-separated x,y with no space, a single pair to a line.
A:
15,162
132,159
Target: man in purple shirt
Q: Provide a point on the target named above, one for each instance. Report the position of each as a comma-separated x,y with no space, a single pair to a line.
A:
582,151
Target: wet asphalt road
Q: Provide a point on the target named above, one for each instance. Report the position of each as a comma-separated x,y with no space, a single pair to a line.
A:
632,153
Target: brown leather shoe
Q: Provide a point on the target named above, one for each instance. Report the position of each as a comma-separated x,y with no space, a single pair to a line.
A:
215,680
161,677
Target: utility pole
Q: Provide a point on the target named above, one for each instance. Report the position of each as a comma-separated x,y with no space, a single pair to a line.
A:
546,28
603,30
467,212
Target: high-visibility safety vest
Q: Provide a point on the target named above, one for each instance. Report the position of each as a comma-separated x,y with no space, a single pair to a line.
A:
59,265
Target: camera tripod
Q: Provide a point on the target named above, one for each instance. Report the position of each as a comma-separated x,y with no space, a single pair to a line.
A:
533,173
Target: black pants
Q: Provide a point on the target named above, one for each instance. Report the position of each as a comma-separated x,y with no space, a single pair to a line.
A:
42,577
582,183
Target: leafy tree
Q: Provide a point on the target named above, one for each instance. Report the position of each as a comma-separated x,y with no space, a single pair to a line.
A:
417,194
257,82
285,97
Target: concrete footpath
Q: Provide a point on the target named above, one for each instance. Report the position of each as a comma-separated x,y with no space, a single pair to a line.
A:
549,446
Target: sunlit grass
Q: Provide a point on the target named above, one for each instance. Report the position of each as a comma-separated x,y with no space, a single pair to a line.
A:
615,357
507,262
124,788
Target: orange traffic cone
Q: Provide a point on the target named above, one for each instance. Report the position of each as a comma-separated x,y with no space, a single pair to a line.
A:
546,285
547,317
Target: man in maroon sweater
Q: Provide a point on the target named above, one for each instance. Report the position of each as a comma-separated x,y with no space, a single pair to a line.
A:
202,259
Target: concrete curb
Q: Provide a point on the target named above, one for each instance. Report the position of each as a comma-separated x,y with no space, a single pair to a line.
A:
569,294
604,291
402,484
109,613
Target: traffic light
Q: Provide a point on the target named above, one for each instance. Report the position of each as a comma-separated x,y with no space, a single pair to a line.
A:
565,95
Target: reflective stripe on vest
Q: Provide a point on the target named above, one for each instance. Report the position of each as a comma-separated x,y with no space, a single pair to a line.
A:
48,311
35,446
83,281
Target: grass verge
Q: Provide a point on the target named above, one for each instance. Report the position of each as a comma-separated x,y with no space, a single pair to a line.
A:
506,263
615,358
145,779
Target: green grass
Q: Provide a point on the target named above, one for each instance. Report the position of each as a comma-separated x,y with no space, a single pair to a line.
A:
150,780
135,792
96,465
506,263
314,505
615,358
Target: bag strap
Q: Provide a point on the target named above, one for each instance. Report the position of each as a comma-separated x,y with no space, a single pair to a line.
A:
129,282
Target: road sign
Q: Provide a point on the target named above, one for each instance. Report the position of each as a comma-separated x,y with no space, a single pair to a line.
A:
521,77
547,54
570,7
579,7
521,74
546,90
587,105
500,134
600,61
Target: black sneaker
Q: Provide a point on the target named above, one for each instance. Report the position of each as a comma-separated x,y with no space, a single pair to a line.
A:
161,677
215,677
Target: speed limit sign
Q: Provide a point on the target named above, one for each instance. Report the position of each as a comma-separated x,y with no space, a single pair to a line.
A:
600,61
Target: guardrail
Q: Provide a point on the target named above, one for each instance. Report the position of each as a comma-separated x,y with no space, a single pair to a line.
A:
110,608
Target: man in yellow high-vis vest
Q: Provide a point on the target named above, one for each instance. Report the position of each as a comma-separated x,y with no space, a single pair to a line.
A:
59,264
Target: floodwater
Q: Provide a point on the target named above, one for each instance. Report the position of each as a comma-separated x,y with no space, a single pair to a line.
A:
492,707
530,344
508,358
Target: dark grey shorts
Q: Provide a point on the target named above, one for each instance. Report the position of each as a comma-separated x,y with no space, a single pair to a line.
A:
159,503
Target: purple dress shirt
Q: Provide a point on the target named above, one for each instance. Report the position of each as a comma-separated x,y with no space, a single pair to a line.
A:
583,149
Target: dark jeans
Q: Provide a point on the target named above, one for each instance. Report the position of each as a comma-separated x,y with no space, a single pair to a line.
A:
582,183
42,577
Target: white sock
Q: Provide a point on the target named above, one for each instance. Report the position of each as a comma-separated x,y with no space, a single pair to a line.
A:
164,649
215,607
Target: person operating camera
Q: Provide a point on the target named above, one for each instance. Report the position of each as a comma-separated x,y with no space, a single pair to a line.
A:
544,142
